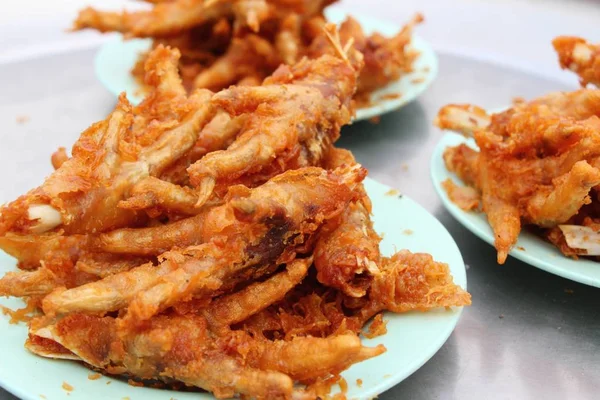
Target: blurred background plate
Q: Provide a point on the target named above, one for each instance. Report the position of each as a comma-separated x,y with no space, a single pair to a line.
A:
411,338
530,248
406,89
117,57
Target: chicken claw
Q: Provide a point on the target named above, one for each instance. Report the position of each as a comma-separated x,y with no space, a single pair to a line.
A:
296,115
283,221
537,162
347,252
237,307
579,56
109,158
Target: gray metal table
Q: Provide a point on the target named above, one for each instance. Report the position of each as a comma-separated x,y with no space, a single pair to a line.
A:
528,335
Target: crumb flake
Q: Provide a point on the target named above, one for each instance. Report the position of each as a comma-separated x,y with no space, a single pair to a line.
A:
67,387
22,119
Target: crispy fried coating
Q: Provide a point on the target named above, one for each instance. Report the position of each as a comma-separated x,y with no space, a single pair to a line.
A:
385,59
266,285
165,19
462,160
414,281
174,17
288,41
182,348
27,283
59,157
237,307
347,252
537,161
113,155
243,41
307,358
169,348
66,270
295,116
347,256
579,56
251,56
52,248
309,186
463,118
218,134
155,194
408,281
466,197
292,205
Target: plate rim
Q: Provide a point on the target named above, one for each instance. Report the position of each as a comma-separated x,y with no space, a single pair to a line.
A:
436,164
458,271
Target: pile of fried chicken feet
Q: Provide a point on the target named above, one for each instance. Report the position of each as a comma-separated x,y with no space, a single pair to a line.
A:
225,42
215,240
538,162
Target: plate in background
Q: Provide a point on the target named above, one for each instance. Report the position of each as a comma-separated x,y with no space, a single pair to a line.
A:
529,248
116,58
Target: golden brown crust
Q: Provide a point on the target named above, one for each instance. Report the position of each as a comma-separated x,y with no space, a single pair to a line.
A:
134,276
242,42
536,164
579,56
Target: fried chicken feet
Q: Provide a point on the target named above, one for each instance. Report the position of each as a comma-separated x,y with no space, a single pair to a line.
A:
536,164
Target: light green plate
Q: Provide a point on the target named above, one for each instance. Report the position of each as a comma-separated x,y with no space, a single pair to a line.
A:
411,340
529,248
116,58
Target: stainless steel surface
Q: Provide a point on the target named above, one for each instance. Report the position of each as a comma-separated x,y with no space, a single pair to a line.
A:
528,335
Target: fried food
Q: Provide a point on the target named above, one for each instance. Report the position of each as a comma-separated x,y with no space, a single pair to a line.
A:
287,208
112,156
385,59
347,252
407,281
579,56
165,19
305,105
242,42
260,289
251,56
462,118
537,164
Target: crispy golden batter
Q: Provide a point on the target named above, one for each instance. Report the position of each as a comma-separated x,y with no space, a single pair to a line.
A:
112,156
414,281
251,56
407,282
284,211
295,116
261,289
236,307
385,59
347,252
465,197
241,42
579,56
537,163
164,19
